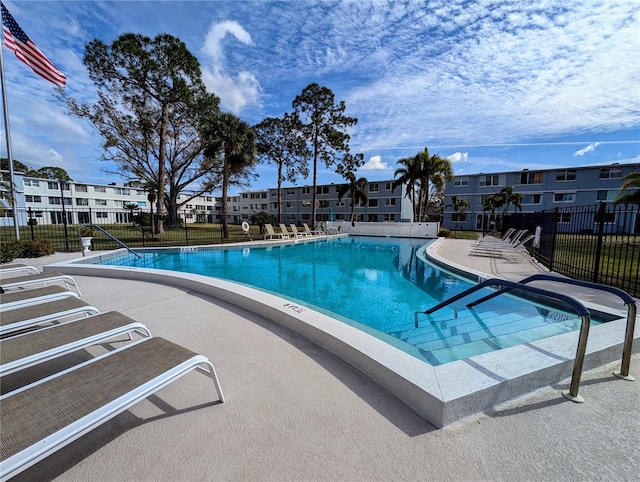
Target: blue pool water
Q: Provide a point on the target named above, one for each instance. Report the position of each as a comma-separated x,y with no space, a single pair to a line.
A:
377,285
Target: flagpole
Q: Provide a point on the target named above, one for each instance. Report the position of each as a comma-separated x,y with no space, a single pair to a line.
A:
7,132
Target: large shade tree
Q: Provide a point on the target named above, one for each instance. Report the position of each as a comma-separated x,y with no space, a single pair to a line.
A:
324,128
150,110
232,148
280,141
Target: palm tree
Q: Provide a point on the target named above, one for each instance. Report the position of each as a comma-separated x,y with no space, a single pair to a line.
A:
409,174
421,171
507,198
131,207
631,180
491,204
357,189
234,141
434,170
460,206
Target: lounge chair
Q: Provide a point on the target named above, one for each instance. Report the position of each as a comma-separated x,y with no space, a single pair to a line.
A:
270,233
285,231
42,278
21,318
503,249
297,233
28,349
16,268
41,418
35,296
309,232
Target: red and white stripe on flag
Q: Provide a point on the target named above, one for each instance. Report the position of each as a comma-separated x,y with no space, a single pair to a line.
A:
17,41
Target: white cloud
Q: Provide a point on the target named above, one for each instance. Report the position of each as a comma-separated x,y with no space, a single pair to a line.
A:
458,157
375,164
235,91
585,150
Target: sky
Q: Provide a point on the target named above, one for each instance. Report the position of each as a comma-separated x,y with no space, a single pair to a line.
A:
491,85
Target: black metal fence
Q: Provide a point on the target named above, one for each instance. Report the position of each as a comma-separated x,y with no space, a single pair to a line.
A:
131,227
598,243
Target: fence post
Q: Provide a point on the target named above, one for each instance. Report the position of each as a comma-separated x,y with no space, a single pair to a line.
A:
596,268
554,235
186,233
30,223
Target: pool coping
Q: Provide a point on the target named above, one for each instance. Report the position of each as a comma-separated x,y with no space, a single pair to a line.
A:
443,394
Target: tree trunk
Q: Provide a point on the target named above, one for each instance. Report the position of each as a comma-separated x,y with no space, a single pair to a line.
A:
315,175
225,188
279,193
162,167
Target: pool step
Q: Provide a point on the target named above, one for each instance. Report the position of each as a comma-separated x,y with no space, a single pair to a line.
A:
476,343
466,321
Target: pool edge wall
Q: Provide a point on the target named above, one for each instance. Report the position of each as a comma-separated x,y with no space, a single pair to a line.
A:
444,394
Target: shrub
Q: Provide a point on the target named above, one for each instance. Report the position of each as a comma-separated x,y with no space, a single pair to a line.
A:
444,233
36,248
10,250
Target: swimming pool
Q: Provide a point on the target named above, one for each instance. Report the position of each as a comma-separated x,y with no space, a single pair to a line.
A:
376,285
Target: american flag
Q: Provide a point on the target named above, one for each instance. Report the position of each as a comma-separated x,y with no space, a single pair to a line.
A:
16,40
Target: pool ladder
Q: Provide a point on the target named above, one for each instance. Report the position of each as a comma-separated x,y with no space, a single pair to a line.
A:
580,309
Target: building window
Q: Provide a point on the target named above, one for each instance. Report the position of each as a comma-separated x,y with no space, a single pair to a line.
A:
99,189
388,186
563,218
339,204
531,178
609,217
374,187
142,204
290,192
531,198
100,202
566,197
491,180
33,199
31,183
81,188
568,175
100,215
121,191
82,202
461,181
289,204
322,189
373,203
55,200
390,201
461,217
607,195
389,217
610,173
245,195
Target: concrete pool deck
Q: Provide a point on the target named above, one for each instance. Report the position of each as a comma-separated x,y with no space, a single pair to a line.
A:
294,411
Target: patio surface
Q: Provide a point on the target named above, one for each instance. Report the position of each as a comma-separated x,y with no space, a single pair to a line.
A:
296,412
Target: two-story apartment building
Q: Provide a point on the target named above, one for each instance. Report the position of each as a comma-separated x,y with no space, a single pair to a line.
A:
541,190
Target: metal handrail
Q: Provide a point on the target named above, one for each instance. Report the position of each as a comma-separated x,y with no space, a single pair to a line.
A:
580,309
95,226
623,295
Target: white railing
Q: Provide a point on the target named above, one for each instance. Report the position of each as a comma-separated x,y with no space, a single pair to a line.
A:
404,230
